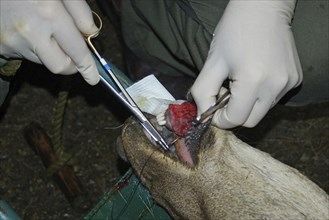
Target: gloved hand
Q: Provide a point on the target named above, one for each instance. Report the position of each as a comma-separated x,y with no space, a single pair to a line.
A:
49,33
254,48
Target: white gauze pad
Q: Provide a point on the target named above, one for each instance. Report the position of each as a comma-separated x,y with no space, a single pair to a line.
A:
150,95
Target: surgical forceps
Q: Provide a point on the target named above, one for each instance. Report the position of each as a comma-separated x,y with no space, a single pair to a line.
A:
220,103
121,93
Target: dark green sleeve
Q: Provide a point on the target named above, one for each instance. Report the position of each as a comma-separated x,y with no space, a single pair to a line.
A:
171,35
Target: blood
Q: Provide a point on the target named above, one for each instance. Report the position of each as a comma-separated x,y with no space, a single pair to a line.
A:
181,116
121,184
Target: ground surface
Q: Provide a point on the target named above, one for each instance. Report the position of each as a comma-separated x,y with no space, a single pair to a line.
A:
297,136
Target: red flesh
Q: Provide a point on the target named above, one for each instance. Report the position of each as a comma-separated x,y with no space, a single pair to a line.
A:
181,116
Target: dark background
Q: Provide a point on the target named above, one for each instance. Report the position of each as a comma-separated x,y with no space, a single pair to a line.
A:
298,137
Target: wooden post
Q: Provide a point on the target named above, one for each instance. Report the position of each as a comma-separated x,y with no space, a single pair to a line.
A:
64,177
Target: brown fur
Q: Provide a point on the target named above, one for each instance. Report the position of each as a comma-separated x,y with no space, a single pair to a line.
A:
231,181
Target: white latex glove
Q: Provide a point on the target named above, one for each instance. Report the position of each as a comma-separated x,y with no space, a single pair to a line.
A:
49,33
253,46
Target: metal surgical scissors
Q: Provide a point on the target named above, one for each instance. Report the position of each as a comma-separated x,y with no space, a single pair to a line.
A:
121,93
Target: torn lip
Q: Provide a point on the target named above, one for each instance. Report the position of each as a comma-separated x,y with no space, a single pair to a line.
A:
179,117
183,152
178,148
